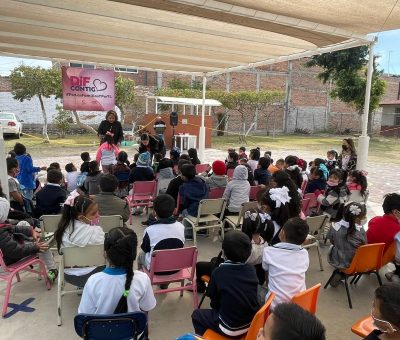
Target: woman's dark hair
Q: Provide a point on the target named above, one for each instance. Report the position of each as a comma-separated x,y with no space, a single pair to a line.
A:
70,214
93,167
391,202
282,179
352,211
236,246
360,179
254,154
352,147
389,302
279,215
123,157
193,156
19,149
111,112
120,245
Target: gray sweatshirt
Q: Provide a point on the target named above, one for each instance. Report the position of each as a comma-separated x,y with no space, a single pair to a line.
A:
215,181
238,189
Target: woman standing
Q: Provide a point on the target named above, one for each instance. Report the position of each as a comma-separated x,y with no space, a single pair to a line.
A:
347,160
112,125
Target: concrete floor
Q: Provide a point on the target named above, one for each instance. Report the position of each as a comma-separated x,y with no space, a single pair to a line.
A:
171,317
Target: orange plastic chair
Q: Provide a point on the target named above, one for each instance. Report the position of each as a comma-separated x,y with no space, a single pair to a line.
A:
389,254
363,327
308,299
205,279
258,322
367,260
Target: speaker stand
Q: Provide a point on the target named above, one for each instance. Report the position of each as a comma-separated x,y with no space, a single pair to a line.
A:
173,136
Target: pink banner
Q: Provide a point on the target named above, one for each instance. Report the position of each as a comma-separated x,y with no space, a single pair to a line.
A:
87,89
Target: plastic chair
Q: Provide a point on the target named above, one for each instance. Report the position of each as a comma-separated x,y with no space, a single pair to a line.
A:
229,173
88,256
367,260
253,193
200,168
143,193
316,225
235,221
109,222
308,299
48,225
363,327
206,280
258,322
313,204
303,186
178,203
210,215
389,254
305,202
181,261
110,327
9,272
216,193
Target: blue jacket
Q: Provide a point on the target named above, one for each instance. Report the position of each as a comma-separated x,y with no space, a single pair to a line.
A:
314,185
192,192
26,176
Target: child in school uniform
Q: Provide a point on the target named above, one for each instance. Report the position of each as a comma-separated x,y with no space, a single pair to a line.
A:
261,174
118,288
357,185
286,262
232,290
92,180
346,236
317,182
71,177
242,153
331,159
294,170
254,157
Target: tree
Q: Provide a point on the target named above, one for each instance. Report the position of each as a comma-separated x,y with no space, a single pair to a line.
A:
28,82
63,120
124,94
348,70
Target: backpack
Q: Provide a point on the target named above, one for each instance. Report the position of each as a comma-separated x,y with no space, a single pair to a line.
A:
81,179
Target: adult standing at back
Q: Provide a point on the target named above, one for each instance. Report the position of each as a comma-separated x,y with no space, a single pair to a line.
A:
111,125
347,160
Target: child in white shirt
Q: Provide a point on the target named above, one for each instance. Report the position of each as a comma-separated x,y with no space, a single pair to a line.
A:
118,288
71,177
286,262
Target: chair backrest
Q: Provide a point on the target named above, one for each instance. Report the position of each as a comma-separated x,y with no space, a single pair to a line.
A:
211,207
144,187
109,222
216,193
84,256
3,265
173,260
253,192
316,223
200,168
111,327
308,299
313,200
229,173
367,258
49,223
246,207
305,202
303,186
259,319
389,254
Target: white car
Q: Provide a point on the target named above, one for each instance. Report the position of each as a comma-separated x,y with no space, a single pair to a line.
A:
11,124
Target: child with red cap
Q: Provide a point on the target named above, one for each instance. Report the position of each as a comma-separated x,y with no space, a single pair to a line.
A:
217,178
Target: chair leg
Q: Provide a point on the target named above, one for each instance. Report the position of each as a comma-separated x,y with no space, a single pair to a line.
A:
18,278
7,295
358,279
43,273
378,277
59,298
194,236
330,279
182,284
353,279
348,292
202,298
320,257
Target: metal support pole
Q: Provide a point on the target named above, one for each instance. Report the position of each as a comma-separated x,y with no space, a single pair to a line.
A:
202,130
363,140
3,166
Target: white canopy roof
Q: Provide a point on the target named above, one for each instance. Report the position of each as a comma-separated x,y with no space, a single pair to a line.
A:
189,36
185,101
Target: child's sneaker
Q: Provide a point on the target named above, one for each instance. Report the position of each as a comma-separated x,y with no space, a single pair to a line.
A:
52,274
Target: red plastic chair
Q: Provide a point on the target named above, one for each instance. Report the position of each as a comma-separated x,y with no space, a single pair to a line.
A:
229,173
14,269
305,203
216,193
143,194
258,322
200,168
183,261
253,192
308,299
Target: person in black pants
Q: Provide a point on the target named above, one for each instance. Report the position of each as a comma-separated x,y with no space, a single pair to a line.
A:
111,124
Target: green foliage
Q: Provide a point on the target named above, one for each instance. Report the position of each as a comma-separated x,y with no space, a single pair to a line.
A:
63,120
124,94
179,84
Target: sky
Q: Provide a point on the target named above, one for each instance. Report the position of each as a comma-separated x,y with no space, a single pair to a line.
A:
387,48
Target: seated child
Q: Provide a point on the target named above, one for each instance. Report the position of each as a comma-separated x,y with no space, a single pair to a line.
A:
85,157
157,158
237,190
357,185
288,321
175,184
72,177
218,178
250,175
242,153
331,159
293,170
254,157
17,242
121,171
165,175
118,288
163,233
192,152
77,228
107,153
142,171
232,290
15,193
346,236
272,168
261,174
317,182
286,262
174,155
91,185
280,164
335,196
232,160
50,199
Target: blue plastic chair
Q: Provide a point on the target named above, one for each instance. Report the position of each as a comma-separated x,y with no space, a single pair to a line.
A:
110,327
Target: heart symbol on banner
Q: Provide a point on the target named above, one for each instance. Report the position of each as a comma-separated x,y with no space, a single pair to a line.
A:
99,85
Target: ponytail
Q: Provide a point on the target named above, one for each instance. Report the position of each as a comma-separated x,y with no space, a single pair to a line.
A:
351,213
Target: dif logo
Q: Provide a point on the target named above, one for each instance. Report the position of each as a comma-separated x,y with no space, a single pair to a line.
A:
85,84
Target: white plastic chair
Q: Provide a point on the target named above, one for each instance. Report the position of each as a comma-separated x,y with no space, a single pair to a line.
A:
109,222
316,225
235,221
